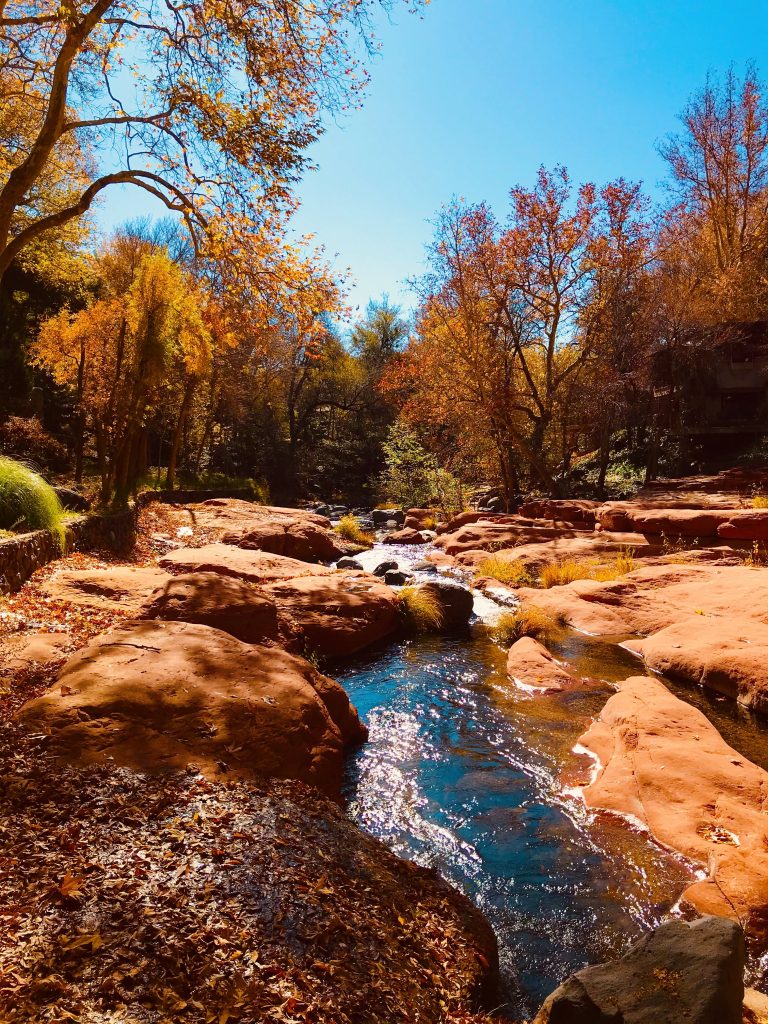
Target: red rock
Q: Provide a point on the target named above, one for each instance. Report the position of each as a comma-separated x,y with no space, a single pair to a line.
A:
209,599
663,764
405,536
563,510
122,587
750,524
22,651
531,665
253,566
234,514
673,523
160,695
586,546
726,654
302,540
420,518
337,615
463,519
653,597
492,536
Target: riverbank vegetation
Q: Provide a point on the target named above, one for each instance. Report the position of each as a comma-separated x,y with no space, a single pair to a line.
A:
569,346
27,502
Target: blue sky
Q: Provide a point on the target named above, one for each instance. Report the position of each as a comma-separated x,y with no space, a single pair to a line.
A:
471,98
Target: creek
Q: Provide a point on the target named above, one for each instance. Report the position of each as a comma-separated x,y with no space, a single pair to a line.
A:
468,774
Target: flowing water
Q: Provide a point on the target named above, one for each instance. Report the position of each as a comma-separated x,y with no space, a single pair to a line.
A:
466,773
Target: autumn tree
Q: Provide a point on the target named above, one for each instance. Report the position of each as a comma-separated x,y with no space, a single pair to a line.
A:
208,107
618,325
719,171
117,354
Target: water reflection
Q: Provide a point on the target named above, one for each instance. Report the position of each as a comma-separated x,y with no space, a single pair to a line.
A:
463,773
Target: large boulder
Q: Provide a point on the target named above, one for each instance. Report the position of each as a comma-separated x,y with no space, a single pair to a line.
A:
420,518
532,667
253,566
662,764
455,601
681,972
728,654
337,615
749,524
235,515
282,536
160,695
585,546
505,532
407,535
119,587
381,516
652,597
209,599
672,523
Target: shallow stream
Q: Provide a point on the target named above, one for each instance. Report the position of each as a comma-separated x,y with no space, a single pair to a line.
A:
467,774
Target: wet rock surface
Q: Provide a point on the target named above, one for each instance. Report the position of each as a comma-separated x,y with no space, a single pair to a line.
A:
454,600
680,972
660,762
530,664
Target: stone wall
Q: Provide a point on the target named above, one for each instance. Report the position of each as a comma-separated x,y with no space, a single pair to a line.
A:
116,532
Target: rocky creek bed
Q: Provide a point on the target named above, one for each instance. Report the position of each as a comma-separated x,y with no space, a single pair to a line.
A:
200,661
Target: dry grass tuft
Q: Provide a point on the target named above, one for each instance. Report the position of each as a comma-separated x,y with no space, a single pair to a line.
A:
558,574
506,570
348,528
522,621
760,500
421,609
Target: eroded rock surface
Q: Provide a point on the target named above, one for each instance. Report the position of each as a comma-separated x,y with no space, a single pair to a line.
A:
679,973
296,539
227,560
123,587
210,599
159,695
661,762
531,665
337,615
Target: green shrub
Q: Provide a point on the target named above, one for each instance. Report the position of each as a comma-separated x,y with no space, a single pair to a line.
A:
27,502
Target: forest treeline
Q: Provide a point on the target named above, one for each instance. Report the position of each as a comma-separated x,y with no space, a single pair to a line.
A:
548,344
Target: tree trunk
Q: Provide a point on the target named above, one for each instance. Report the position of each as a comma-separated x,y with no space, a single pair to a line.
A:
178,433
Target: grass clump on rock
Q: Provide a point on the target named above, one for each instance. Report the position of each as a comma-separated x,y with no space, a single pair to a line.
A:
558,574
505,570
516,623
27,502
349,528
421,609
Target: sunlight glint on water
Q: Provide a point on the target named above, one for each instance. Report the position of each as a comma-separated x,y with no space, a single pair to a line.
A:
462,773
